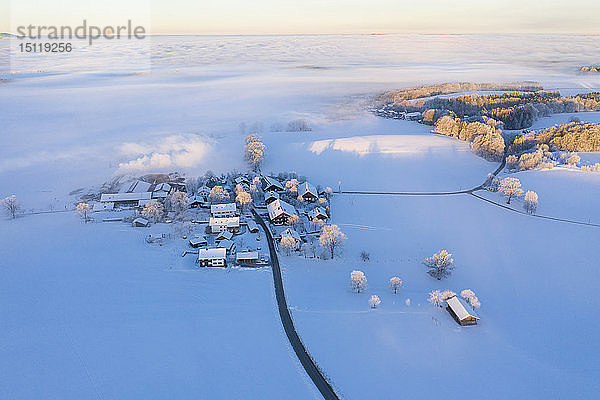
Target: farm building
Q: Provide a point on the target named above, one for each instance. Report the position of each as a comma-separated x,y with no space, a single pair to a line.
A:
225,235
136,187
212,257
272,185
231,224
280,211
460,313
161,191
223,210
271,197
252,227
247,258
140,222
125,199
308,192
318,213
198,241
104,206
228,245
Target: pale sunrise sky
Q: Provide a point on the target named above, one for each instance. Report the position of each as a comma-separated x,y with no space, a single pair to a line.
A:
313,16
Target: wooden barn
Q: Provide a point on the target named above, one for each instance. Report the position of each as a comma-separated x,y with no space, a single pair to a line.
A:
460,312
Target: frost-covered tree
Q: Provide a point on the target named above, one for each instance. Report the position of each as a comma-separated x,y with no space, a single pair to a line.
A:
11,206
254,152
293,220
288,244
84,210
436,298
474,301
153,211
374,301
530,202
395,284
292,185
440,265
218,194
317,223
179,204
446,294
358,281
510,187
574,159
243,198
331,239
467,294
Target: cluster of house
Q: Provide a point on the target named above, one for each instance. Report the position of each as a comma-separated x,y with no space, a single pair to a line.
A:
224,223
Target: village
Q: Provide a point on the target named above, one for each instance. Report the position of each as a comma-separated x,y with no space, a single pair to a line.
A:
214,216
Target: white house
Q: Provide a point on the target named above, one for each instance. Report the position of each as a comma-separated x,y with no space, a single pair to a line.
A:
318,213
460,313
271,197
231,224
280,211
223,210
212,257
308,192
272,184
292,232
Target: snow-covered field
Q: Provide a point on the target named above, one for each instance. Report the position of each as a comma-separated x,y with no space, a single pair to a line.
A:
92,311
536,281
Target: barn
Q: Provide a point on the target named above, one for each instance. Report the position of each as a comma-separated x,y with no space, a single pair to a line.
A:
460,313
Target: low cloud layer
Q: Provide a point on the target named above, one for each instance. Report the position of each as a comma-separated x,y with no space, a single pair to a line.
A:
184,151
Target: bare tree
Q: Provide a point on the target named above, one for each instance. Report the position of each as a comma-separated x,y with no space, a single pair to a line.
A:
440,265
84,209
11,206
365,256
331,239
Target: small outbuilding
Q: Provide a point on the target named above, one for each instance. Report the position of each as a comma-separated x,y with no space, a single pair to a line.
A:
212,257
198,241
252,226
226,244
140,222
225,235
460,312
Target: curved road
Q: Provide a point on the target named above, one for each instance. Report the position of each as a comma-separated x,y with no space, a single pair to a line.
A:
306,360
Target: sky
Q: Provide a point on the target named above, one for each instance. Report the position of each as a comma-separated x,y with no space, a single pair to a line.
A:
313,16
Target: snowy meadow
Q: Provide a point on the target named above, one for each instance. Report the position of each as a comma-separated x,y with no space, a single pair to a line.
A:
93,311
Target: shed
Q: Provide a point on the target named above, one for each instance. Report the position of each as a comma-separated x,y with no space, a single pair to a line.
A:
226,244
225,235
198,241
460,313
140,222
252,226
